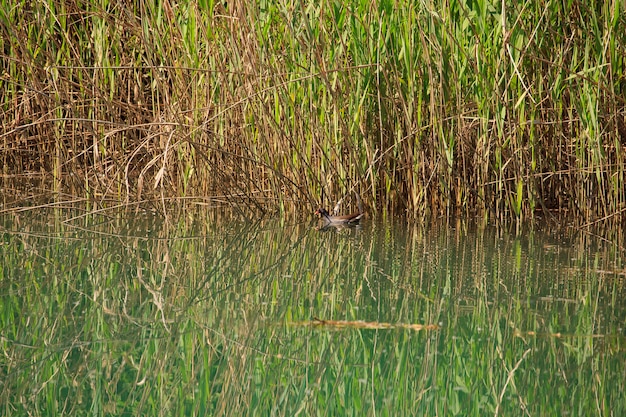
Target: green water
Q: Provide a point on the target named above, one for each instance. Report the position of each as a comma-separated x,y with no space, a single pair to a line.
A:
129,314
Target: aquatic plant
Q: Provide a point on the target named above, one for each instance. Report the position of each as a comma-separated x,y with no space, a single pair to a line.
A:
501,108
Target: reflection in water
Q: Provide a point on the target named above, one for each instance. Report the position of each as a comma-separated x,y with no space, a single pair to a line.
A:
135,315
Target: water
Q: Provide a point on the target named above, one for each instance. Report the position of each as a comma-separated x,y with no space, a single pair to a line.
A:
128,314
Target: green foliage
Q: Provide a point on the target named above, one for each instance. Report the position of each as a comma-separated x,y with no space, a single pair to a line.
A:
420,107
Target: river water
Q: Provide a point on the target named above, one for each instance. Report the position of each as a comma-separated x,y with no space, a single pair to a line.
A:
122,313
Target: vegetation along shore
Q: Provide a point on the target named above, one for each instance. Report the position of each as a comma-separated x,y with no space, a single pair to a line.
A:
497,107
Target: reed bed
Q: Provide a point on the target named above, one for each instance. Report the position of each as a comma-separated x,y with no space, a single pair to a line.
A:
501,108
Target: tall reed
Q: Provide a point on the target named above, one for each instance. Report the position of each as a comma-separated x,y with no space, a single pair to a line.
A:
432,107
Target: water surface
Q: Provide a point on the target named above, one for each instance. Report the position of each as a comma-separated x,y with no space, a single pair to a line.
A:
131,314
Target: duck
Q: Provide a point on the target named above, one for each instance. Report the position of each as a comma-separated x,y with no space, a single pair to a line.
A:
332,220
